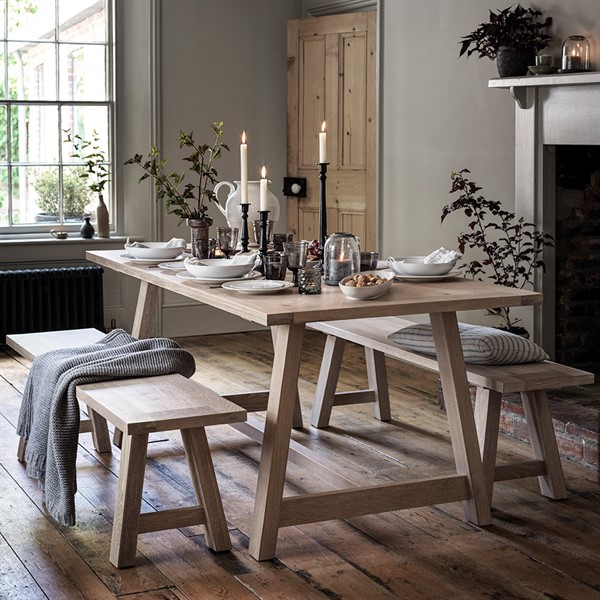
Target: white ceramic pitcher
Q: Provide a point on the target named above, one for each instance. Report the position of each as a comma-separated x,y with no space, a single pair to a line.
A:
233,212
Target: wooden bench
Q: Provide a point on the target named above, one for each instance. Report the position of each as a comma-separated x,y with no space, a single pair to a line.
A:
138,407
491,382
31,345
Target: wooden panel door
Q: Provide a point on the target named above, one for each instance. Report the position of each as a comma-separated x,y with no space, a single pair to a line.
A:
331,77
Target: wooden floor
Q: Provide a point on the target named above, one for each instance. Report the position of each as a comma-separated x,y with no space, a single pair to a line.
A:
536,548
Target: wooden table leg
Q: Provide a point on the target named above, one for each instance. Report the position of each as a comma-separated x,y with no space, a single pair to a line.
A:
463,433
278,426
297,421
143,321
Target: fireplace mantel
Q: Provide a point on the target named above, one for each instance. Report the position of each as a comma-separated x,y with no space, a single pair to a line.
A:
550,110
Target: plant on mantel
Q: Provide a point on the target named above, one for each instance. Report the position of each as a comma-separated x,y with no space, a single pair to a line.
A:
186,200
512,31
512,248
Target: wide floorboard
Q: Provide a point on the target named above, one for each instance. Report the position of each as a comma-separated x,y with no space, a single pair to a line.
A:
535,548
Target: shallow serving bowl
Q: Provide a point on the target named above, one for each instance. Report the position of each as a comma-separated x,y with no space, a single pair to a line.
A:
368,292
218,267
154,250
414,266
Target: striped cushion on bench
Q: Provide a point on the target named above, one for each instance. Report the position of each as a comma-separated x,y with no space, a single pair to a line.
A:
481,345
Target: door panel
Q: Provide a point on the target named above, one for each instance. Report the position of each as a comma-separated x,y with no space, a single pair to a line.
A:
331,77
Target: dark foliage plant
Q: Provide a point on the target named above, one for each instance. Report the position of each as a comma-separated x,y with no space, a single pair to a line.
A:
515,27
512,249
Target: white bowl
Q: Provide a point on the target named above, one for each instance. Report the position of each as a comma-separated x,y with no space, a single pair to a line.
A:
369,292
154,250
414,265
217,267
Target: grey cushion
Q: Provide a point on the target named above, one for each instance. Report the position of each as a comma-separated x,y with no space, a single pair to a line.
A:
481,345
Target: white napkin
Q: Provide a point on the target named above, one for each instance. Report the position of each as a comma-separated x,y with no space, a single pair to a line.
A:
243,259
176,243
129,244
441,255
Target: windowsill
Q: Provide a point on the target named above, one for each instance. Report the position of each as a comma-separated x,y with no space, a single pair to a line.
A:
36,239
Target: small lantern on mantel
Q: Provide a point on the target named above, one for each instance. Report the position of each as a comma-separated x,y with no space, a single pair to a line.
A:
575,55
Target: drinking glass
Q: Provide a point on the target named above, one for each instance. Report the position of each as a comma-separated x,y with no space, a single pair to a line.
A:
256,225
296,254
275,264
280,238
227,238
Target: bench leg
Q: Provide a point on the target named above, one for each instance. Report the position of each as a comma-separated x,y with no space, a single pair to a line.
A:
377,377
203,477
99,431
543,443
129,500
327,382
487,421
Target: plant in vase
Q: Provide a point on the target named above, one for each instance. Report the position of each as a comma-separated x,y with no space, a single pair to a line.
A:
189,201
512,249
95,172
512,36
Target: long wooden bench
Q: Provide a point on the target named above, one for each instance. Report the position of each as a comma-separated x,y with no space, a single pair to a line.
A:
138,407
491,382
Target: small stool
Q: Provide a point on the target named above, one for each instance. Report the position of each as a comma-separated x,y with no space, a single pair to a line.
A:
138,407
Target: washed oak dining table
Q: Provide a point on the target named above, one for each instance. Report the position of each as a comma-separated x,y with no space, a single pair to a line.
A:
287,314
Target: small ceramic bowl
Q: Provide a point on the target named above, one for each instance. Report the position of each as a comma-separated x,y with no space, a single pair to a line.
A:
154,250
368,292
414,266
217,267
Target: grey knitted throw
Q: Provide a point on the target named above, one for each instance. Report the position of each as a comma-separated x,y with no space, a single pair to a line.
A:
49,417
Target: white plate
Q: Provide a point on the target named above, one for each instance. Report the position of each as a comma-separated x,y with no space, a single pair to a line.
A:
264,286
149,261
172,266
427,277
189,277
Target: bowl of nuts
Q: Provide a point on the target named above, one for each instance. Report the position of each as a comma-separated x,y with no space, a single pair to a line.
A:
366,285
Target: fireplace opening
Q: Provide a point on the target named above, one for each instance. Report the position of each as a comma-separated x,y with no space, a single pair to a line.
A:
577,276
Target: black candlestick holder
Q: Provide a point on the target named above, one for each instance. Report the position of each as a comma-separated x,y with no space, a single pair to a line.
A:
263,245
244,237
323,204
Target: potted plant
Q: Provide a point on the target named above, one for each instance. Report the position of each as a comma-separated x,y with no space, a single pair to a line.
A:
512,36
76,196
512,249
189,201
95,173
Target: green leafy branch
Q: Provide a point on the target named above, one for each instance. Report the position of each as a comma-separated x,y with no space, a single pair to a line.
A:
96,172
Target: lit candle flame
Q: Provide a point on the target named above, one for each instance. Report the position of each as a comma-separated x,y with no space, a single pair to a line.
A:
323,126
263,172
243,137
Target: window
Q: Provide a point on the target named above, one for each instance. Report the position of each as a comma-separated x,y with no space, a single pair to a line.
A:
56,74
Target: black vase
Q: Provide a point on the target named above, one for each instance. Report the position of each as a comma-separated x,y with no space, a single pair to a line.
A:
87,229
514,62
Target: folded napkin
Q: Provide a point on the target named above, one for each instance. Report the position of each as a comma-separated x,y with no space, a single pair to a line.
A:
172,243
243,259
441,255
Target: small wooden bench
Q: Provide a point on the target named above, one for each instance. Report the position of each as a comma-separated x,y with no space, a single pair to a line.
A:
138,407
31,345
491,382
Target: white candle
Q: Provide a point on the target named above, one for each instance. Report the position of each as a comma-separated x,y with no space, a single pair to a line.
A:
244,168
323,144
264,190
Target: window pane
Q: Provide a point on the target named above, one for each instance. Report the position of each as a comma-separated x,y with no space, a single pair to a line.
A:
4,221
3,132
31,20
2,73
83,121
78,200
32,71
83,74
35,195
82,20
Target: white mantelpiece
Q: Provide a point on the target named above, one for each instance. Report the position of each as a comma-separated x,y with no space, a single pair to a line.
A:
551,110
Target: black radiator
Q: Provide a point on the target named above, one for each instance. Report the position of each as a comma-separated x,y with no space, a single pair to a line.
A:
50,299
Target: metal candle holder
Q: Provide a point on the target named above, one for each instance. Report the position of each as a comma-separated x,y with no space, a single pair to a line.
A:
323,204
244,238
262,248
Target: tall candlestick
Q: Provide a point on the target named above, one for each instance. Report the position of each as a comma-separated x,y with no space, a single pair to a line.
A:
264,190
323,144
244,169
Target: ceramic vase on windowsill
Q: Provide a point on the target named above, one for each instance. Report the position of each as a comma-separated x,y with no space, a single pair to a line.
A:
102,220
